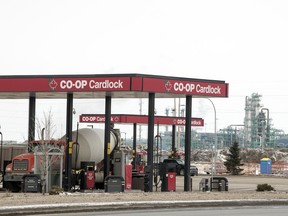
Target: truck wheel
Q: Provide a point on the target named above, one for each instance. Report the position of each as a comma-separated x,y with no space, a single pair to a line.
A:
182,172
11,186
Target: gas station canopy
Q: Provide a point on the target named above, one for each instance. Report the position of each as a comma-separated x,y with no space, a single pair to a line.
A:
116,86
111,86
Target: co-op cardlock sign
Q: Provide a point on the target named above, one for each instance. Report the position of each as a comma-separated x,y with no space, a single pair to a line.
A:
146,85
123,83
85,84
91,84
186,87
142,119
135,83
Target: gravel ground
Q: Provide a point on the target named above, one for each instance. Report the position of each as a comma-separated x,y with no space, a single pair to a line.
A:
240,187
8,199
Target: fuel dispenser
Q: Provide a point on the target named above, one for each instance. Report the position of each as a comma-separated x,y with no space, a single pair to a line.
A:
168,177
87,175
121,168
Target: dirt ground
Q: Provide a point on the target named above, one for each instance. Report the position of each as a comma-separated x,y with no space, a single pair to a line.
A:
239,187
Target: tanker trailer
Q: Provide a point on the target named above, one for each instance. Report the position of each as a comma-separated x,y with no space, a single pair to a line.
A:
90,147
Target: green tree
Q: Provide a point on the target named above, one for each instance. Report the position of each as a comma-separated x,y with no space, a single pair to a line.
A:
233,160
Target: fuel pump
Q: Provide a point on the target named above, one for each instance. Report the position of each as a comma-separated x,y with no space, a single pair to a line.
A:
168,177
87,175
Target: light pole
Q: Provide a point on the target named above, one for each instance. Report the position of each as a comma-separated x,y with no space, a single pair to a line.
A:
215,144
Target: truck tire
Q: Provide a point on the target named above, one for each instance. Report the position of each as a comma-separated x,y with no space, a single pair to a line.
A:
12,186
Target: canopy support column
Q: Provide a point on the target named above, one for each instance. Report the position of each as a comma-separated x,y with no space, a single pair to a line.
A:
31,121
187,177
151,110
107,150
69,142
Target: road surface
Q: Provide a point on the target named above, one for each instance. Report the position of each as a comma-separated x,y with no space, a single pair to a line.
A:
227,211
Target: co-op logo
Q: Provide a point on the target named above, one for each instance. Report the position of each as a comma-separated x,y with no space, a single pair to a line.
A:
178,86
98,119
190,87
82,84
92,119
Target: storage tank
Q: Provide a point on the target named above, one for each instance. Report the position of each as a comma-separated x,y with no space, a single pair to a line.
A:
91,145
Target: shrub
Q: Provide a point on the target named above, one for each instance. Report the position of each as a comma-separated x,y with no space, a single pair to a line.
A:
264,187
55,190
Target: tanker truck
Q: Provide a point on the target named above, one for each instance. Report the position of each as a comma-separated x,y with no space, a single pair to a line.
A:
88,146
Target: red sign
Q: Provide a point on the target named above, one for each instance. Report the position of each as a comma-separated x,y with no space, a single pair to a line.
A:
185,87
65,84
128,83
91,118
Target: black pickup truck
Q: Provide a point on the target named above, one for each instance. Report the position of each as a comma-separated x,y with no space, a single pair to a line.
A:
178,165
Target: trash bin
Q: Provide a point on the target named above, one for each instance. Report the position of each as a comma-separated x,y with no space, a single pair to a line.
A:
138,181
114,184
218,184
31,183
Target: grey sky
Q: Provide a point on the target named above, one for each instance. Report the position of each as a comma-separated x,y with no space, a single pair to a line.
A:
242,42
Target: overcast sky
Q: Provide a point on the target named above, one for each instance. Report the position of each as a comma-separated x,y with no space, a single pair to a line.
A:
244,43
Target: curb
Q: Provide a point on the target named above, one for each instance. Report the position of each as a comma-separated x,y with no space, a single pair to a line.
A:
108,206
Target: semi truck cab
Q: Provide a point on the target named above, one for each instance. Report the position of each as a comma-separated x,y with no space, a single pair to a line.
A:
21,165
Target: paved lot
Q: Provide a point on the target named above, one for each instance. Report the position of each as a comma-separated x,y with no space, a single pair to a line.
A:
240,183
241,192
237,183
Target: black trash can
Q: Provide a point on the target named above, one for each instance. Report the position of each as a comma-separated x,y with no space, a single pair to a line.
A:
138,181
114,184
218,184
31,183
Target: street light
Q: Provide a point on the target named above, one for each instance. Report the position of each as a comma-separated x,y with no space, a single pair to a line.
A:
215,145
